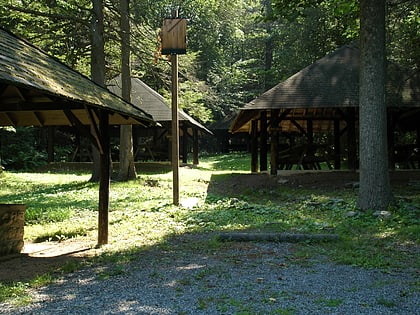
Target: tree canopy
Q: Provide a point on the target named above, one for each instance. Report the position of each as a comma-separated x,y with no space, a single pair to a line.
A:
236,49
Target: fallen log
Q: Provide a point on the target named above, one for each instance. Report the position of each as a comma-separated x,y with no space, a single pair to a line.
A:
276,237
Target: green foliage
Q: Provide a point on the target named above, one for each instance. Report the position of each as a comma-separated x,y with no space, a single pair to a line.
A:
15,292
58,27
19,149
236,49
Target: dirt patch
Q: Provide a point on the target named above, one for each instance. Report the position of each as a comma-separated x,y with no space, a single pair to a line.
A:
41,258
322,180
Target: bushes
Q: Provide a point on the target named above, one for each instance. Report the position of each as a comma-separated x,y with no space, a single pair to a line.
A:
20,148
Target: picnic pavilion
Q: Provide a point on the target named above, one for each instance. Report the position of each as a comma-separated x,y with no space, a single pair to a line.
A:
38,90
154,143
322,99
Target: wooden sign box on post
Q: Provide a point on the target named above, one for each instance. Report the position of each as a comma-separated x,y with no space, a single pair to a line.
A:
174,36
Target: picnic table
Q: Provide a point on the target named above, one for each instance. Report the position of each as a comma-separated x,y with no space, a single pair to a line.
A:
305,156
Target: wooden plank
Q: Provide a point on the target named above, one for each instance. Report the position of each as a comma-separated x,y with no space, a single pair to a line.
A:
195,146
254,146
276,237
104,179
263,142
174,36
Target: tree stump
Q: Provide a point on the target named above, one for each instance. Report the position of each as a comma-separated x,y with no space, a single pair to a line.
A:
12,218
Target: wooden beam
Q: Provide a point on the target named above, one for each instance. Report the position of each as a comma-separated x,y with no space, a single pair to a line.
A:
337,145
83,129
175,131
12,121
38,118
104,179
254,146
299,127
50,143
263,142
351,139
276,237
274,132
310,130
184,143
195,146
95,128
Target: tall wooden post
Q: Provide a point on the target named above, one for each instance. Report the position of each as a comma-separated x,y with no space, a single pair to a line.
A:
274,149
174,43
263,142
50,143
254,146
104,179
175,130
337,145
184,143
351,139
195,146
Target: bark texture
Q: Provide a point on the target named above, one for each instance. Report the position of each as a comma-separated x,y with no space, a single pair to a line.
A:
97,68
127,168
374,192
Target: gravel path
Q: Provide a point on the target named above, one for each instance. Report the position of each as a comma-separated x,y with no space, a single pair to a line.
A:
238,278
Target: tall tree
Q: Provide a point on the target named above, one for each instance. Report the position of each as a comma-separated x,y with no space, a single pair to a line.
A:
127,167
97,68
374,191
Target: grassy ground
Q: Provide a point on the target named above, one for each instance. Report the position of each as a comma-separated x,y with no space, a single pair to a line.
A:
62,204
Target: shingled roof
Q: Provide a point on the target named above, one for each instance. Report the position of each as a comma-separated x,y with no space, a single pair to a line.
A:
329,83
153,103
37,89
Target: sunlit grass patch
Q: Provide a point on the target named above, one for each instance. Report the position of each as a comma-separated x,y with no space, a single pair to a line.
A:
63,205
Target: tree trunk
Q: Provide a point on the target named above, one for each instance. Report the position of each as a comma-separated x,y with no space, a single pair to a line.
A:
97,68
127,167
374,191
269,47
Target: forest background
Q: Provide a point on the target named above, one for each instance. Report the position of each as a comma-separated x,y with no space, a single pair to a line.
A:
236,49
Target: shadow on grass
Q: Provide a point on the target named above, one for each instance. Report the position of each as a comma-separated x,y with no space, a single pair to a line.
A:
80,168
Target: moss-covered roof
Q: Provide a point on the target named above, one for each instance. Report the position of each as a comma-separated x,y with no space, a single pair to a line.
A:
37,89
153,103
329,83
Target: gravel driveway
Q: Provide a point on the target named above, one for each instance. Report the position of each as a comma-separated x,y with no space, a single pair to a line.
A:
234,278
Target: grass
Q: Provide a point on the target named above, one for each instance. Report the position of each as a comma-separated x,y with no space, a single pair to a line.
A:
62,204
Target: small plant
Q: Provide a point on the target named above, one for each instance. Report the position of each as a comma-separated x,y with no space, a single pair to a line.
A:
18,293
284,311
330,302
386,302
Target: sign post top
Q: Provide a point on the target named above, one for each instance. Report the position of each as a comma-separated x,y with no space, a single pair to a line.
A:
174,36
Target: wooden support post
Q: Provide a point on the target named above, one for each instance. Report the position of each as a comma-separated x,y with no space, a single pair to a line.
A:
310,131
254,146
337,146
104,179
184,144
418,145
274,149
263,142
195,146
175,130
391,140
174,42
50,143
351,139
